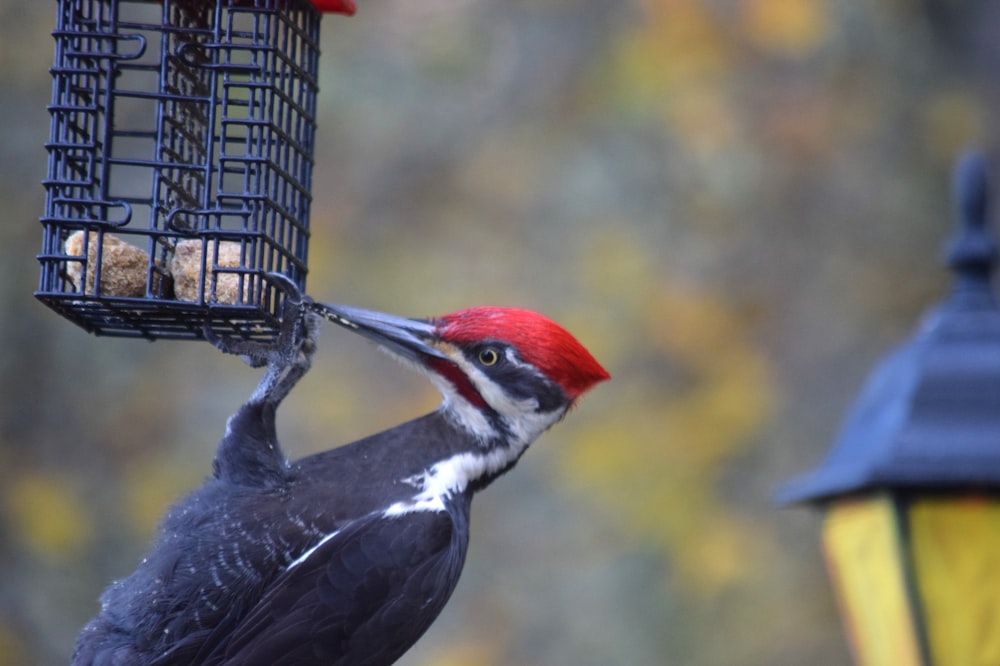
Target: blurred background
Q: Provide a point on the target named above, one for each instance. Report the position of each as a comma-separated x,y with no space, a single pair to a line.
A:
737,205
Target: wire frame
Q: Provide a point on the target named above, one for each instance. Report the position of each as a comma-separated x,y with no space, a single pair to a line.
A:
180,164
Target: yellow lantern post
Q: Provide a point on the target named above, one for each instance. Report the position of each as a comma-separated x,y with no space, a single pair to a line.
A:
911,487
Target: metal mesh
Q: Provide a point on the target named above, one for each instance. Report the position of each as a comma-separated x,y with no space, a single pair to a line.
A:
180,160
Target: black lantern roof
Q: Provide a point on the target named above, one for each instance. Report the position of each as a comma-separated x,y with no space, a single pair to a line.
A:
929,415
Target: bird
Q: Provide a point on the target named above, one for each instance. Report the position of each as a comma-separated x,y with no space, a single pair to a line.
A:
343,557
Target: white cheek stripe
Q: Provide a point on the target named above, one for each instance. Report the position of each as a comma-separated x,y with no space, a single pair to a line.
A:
523,420
465,415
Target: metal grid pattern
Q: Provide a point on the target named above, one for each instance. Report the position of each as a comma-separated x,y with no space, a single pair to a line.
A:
180,162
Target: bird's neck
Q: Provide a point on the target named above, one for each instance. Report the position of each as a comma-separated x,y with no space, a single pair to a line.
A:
435,455
511,424
419,465
462,472
248,453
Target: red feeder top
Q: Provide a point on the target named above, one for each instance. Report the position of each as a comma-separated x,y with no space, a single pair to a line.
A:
336,6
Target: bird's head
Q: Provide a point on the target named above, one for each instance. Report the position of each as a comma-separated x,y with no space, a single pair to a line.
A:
506,374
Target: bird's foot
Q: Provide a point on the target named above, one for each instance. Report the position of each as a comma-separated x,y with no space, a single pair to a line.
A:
289,357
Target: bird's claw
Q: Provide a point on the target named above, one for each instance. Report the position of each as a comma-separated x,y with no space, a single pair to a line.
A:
289,356
256,353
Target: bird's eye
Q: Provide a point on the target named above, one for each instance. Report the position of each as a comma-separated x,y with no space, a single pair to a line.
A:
488,357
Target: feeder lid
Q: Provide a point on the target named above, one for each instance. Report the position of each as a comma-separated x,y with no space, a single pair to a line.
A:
336,6
929,415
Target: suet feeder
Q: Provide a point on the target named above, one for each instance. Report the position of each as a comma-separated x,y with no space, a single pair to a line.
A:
180,163
911,487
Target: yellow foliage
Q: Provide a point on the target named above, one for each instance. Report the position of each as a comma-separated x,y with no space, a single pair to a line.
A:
731,387
677,44
687,62
951,121
676,61
787,27
684,41
47,514
150,487
704,117
461,653
720,552
658,460
613,259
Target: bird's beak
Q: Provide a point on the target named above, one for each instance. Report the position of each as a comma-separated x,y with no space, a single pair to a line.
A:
410,339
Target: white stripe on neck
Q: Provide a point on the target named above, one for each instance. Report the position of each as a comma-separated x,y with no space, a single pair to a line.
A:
453,475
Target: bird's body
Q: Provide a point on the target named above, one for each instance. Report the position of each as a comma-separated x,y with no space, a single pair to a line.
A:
344,557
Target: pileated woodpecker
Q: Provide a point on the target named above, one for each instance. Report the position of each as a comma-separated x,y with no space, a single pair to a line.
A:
347,556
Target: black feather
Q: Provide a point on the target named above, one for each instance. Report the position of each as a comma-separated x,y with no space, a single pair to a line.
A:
218,574
363,597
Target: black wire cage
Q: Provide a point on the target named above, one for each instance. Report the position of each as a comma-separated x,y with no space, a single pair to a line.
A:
180,164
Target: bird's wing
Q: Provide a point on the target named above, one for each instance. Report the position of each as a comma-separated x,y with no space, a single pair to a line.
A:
362,596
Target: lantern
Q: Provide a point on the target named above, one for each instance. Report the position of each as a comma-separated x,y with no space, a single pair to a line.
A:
909,490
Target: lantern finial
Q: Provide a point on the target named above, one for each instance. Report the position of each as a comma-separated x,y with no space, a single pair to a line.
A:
972,252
